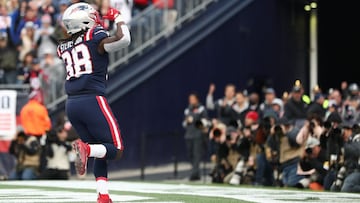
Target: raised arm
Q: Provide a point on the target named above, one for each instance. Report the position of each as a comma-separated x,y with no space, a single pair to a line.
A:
121,38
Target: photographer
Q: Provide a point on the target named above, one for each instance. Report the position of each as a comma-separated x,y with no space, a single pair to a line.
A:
284,152
244,170
196,126
348,175
222,106
26,149
314,164
226,154
264,169
57,151
312,127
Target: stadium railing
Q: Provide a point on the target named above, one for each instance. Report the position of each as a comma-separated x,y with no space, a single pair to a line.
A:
148,27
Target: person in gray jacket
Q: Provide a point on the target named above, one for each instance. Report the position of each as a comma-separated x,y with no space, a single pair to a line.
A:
196,126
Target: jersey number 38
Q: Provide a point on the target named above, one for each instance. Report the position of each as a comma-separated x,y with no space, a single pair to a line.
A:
77,62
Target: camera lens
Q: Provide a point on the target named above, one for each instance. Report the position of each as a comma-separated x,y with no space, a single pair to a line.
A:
217,132
308,150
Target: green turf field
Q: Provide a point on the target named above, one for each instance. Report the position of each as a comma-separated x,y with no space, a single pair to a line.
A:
84,191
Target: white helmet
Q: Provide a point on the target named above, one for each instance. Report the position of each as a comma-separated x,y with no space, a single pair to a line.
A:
79,16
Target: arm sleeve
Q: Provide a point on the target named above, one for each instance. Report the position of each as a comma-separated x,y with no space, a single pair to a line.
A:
121,43
210,102
302,136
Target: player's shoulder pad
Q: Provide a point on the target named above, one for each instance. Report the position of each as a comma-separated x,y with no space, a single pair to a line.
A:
96,33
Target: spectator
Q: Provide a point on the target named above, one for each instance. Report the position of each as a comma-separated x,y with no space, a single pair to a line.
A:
47,8
34,116
170,16
27,39
23,75
270,95
5,19
140,5
295,107
16,16
60,31
344,90
278,107
222,106
54,71
353,91
36,72
240,108
316,107
30,15
196,125
251,118
44,36
57,151
336,97
350,110
8,60
254,101
26,149
104,8
125,7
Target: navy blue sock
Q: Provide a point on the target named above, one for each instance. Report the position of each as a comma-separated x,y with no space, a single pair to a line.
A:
100,168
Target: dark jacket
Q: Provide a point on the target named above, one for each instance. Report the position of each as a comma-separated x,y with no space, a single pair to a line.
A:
295,110
194,129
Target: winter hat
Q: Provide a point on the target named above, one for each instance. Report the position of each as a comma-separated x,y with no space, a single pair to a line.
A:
253,115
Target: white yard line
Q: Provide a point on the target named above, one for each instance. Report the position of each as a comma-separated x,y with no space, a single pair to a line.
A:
247,194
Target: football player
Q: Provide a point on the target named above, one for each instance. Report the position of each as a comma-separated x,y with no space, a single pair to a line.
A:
85,55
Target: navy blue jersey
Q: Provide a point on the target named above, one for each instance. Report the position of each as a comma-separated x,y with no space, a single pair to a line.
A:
86,68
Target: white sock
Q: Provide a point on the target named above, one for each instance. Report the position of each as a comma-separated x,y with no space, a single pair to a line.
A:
102,185
97,150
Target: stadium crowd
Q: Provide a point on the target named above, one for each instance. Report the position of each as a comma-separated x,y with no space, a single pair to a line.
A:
30,31
291,141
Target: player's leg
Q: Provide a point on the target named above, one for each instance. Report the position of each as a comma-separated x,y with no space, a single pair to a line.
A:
77,113
101,175
108,146
105,129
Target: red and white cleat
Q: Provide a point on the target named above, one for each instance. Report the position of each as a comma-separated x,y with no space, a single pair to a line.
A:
81,150
104,198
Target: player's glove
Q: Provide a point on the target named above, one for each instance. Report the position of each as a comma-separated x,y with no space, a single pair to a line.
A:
113,15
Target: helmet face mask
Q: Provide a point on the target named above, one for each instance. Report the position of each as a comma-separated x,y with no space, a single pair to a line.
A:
79,16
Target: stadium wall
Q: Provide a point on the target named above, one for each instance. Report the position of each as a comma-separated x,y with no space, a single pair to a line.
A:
266,43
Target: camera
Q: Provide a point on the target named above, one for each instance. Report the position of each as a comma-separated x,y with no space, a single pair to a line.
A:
228,137
202,123
217,132
278,131
312,125
308,151
327,124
